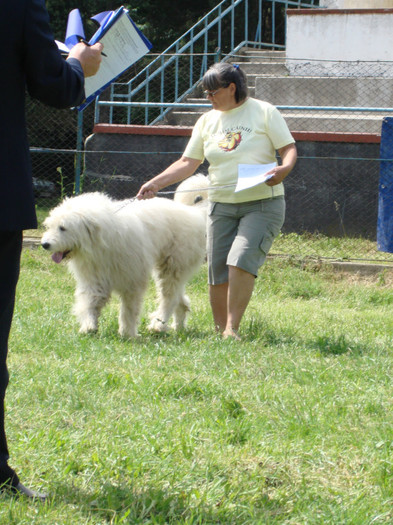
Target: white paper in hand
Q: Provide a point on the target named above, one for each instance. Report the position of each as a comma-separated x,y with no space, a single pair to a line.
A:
250,175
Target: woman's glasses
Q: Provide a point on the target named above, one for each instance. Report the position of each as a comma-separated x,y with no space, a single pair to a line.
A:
212,93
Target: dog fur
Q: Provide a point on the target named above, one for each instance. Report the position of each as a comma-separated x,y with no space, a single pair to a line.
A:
116,246
193,191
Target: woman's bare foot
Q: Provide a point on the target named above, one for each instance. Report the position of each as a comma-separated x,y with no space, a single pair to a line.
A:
231,334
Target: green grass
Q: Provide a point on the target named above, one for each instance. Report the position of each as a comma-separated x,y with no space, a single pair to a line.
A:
318,245
293,425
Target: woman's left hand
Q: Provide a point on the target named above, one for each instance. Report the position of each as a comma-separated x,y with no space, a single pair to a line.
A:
279,174
288,156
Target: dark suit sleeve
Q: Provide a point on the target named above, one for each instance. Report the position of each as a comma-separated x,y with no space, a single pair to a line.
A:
49,78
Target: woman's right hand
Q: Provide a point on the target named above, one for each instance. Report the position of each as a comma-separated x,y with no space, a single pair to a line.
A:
89,57
148,190
176,172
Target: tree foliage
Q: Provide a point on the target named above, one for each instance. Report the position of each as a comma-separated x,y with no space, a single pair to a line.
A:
59,9
165,20
162,21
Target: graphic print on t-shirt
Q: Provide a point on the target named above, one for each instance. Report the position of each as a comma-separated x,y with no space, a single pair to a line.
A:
230,141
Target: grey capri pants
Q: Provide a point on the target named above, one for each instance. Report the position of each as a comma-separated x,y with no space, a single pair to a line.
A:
241,235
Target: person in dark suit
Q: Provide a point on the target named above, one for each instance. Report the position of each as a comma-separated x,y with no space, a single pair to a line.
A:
29,59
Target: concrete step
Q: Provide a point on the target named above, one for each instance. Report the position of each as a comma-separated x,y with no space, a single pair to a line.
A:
344,122
198,100
326,91
269,80
253,69
336,122
251,54
182,118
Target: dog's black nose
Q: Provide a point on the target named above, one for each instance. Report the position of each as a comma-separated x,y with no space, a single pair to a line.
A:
45,245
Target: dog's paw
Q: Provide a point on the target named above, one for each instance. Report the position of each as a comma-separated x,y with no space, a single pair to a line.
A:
157,325
88,322
128,333
88,329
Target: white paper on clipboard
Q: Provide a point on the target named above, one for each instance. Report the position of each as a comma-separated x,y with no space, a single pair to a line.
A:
250,175
123,44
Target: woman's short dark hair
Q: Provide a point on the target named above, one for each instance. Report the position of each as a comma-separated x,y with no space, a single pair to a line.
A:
222,74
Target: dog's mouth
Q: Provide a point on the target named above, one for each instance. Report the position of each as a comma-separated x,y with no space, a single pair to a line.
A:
57,257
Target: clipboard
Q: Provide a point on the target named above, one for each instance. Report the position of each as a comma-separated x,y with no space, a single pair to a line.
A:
124,44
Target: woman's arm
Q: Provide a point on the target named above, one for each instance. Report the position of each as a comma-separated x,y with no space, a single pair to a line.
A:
288,156
176,172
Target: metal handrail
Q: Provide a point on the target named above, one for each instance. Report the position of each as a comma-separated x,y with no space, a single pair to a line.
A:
198,105
223,13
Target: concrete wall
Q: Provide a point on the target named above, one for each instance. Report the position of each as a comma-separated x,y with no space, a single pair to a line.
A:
330,91
356,4
333,190
317,36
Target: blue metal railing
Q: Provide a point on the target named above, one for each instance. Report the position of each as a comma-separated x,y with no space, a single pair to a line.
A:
196,105
176,72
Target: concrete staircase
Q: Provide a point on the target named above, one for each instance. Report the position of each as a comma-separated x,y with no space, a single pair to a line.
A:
345,92
269,80
254,62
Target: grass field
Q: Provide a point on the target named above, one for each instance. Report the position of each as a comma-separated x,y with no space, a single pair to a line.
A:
293,425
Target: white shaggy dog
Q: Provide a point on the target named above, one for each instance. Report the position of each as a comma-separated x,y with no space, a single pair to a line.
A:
115,246
193,191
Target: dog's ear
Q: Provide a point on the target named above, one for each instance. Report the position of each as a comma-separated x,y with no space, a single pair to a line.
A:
90,226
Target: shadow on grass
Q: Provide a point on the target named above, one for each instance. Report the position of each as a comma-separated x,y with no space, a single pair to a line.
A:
126,504
145,336
259,331
330,345
256,331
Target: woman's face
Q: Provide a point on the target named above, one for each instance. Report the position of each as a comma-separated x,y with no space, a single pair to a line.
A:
223,98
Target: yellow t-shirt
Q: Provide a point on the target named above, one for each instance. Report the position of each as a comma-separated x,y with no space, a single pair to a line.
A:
248,134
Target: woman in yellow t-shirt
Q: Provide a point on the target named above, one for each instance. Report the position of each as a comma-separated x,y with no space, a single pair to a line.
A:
241,225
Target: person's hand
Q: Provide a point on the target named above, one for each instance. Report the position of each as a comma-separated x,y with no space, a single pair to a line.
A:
279,173
148,191
288,156
89,56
